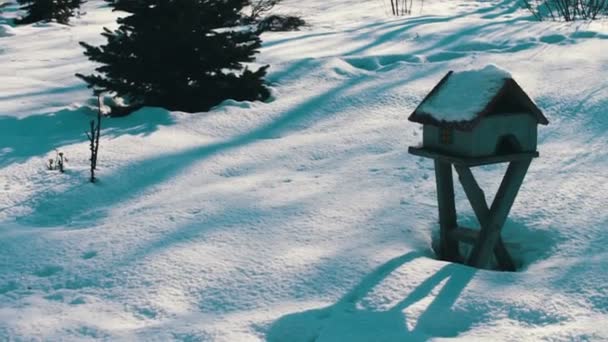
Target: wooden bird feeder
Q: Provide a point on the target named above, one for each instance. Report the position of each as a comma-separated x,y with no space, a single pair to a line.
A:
474,118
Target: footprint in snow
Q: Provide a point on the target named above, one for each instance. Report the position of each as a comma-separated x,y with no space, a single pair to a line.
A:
10,286
57,297
89,255
6,31
146,312
48,271
553,39
78,301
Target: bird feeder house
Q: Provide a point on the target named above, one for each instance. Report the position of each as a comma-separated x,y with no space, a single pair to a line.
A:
474,118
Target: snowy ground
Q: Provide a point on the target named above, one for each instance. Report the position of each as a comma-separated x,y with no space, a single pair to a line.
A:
303,218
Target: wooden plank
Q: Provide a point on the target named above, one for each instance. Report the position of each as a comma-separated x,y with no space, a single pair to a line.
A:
478,202
505,197
470,161
464,234
470,236
505,262
474,193
448,249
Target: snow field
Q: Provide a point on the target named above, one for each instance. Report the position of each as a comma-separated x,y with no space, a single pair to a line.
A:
303,218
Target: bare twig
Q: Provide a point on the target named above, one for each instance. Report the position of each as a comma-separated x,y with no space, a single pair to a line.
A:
567,10
95,133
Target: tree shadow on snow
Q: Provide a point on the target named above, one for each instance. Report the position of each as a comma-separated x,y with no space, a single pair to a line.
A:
86,203
347,321
382,32
37,135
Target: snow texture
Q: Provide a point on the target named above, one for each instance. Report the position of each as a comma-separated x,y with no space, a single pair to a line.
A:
6,31
465,94
303,218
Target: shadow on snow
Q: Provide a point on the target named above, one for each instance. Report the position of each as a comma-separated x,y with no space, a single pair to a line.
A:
80,205
345,320
37,135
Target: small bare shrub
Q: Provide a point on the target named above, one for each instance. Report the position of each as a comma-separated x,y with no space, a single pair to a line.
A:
280,23
258,14
259,8
568,10
401,7
57,163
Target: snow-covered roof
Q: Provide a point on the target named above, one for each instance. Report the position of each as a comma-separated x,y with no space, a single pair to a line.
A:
462,98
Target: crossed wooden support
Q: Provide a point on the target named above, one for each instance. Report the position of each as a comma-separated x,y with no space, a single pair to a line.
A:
487,240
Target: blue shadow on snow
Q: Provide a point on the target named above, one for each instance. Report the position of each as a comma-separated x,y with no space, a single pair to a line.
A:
347,321
37,135
88,203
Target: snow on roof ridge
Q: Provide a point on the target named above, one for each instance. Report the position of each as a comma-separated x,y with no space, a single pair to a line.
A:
491,68
465,94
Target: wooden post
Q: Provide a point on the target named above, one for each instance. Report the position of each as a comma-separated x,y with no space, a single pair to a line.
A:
505,262
448,249
487,239
490,233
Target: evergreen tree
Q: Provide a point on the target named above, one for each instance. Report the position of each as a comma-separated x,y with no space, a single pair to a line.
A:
178,54
126,5
47,10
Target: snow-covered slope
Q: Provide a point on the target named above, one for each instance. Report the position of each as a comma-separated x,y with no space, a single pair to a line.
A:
303,218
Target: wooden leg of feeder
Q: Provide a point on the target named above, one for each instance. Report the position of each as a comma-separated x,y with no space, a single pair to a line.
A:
490,232
478,202
505,262
474,193
448,248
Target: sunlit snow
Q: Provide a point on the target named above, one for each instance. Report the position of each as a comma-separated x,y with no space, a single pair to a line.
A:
303,218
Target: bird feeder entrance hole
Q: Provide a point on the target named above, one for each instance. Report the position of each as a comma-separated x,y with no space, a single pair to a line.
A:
473,118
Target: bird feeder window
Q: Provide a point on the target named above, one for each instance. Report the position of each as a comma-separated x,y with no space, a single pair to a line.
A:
446,135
